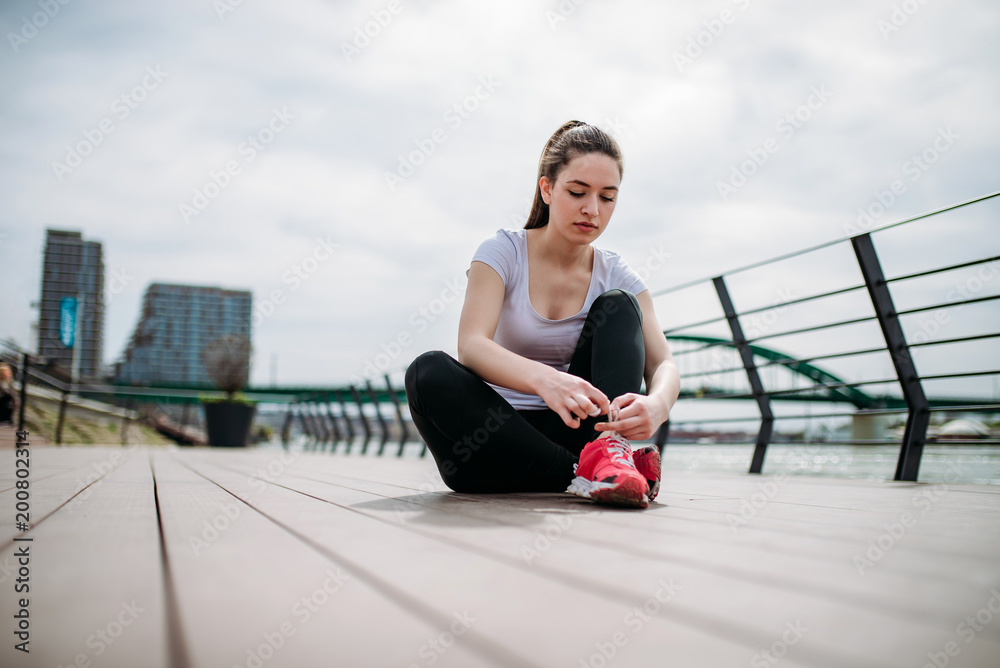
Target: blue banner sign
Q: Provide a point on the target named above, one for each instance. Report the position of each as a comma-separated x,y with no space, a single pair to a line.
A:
67,321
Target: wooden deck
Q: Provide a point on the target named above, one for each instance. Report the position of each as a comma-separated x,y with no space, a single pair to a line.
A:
212,558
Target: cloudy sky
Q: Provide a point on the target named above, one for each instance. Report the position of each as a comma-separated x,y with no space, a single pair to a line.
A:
343,160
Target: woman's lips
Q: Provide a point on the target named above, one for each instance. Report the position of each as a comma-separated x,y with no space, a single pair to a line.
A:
586,226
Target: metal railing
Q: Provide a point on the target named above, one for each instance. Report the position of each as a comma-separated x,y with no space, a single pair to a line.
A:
879,292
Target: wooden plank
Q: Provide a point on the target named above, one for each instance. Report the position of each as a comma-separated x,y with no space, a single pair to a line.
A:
68,481
247,590
541,621
96,588
853,620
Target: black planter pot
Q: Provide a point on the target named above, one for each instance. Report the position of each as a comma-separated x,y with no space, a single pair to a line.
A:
228,423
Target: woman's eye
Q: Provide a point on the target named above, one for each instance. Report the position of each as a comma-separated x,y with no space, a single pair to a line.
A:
607,199
575,194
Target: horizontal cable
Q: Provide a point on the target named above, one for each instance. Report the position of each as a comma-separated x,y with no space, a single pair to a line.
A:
881,411
961,339
755,418
943,269
695,324
813,329
716,344
971,408
827,244
958,440
711,373
810,388
807,360
964,302
802,300
967,374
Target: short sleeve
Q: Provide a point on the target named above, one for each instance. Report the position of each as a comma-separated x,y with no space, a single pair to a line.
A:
499,252
626,278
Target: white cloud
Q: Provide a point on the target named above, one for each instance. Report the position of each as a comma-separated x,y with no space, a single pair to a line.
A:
611,64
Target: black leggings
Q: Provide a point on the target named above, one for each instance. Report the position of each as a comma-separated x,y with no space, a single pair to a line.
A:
482,445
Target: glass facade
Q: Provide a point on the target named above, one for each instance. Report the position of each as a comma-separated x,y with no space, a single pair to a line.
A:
177,322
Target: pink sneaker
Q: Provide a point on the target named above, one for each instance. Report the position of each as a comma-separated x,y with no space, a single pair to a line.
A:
607,474
647,463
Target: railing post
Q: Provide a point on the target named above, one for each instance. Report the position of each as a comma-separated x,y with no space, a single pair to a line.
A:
364,418
286,428
348,425
62,416
304,423
746,354
125,422
25,361
918,408
399,416
332,420
316,421
378,415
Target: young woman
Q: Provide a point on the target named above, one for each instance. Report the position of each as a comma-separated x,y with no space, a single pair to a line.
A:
554,334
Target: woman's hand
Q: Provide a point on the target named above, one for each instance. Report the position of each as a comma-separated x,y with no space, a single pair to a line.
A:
638,418
572,398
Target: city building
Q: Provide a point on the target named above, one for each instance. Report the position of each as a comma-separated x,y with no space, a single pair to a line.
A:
176,323
74,268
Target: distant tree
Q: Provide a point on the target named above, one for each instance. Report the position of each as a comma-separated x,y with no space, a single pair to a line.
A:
227,363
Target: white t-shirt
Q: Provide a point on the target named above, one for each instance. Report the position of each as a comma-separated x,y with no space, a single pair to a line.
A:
521,330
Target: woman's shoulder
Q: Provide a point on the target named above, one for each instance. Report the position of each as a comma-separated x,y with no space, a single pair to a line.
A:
614,269
504,241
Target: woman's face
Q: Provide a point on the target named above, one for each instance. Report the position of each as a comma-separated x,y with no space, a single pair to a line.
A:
583,197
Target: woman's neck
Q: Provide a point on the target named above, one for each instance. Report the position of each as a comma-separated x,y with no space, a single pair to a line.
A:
554,249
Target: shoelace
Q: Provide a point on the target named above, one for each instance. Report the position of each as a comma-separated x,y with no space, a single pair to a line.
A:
619,448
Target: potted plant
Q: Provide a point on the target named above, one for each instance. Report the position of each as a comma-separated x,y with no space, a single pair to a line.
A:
227,363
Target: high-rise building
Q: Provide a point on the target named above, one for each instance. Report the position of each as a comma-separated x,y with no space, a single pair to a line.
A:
176,323
72,268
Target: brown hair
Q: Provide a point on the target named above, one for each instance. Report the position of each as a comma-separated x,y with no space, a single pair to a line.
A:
571,140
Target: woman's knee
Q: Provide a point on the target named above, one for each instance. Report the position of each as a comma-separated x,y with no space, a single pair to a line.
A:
426,370
616,302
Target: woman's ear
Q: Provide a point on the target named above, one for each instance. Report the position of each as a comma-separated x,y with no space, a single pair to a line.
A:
545,186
